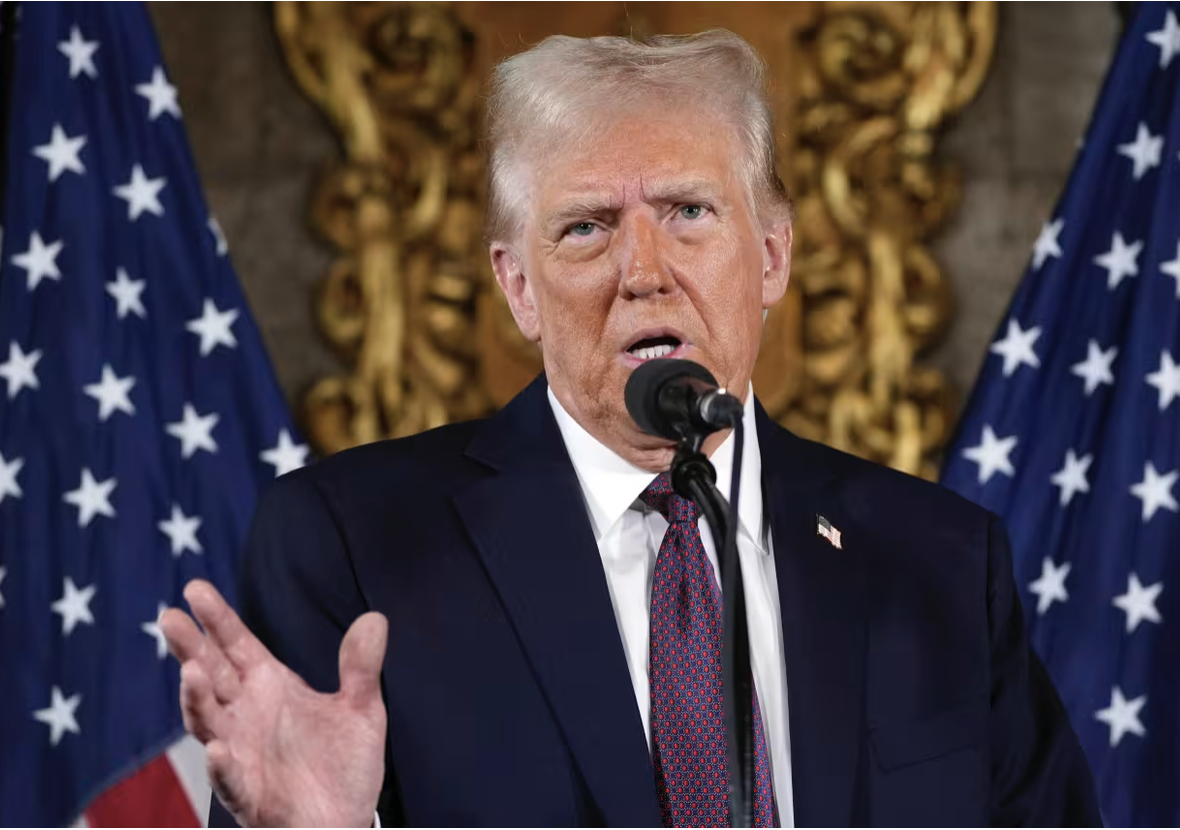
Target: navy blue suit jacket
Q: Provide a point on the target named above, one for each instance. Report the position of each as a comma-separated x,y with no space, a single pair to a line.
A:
914,698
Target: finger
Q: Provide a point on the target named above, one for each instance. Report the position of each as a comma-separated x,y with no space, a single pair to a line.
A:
224,627
184,639
198,705
187,643
361,656
224,777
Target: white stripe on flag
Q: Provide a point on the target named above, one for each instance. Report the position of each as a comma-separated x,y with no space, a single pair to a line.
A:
188,761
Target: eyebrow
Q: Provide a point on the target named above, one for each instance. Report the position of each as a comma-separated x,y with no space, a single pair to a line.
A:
579,207
683,191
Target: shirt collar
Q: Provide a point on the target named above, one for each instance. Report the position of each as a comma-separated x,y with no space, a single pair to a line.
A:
611,484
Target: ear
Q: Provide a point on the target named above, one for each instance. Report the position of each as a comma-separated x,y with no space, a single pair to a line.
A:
776,256
518,290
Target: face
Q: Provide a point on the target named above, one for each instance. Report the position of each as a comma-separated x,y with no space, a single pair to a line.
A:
645,243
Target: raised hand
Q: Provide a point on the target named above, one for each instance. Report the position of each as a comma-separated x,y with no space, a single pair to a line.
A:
278,752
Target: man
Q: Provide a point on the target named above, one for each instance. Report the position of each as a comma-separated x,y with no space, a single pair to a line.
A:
551,610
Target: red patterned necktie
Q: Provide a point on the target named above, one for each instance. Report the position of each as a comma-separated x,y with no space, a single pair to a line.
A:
687,702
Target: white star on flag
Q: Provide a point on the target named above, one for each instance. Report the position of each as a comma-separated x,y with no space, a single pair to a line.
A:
1155,491
1120,260
20,370
1017,347
1047,244
1167,39
153,629
40,260
128,294
9,470
213,327
141,194
194,431
1166,380
160,94
74,606
92,498
1095,370
59,715
181,531
1122,716
218,236
1172,269
80,52
1139,602
1050,585
286,455
991,454
3,573
112,393
1144,151
61,153
1072,477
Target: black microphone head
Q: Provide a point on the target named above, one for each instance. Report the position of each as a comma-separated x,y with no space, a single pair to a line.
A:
642,392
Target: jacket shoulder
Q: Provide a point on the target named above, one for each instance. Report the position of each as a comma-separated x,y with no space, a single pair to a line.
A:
388,471
891,503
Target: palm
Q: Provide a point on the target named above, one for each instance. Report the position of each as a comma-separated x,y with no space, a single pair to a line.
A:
305,755
280,753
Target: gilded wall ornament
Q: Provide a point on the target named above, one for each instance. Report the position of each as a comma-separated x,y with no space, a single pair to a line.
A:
878,80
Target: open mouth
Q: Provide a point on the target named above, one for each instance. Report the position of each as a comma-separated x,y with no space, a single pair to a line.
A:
650,348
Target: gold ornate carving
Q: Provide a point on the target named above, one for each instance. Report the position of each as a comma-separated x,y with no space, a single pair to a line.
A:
410,304
403,209
877,82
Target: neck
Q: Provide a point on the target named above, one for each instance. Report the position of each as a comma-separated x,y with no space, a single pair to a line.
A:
619,434
658,460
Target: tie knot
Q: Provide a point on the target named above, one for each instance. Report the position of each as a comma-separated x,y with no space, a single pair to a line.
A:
660,497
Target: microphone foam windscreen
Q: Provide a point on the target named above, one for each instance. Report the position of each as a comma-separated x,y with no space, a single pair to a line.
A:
642,393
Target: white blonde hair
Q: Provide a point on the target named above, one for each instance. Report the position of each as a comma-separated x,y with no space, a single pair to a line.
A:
551,90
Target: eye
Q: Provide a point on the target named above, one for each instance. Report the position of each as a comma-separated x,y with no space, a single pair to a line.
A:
581,229
693,211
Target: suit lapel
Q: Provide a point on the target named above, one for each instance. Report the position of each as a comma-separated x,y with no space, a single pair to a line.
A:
529,524
822,596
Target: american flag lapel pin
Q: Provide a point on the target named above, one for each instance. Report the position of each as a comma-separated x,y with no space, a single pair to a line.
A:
827,530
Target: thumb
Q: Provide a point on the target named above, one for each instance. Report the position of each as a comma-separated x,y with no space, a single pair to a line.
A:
361,656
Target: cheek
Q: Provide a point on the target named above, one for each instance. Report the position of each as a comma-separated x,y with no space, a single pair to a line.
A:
575,304
732,291
728,298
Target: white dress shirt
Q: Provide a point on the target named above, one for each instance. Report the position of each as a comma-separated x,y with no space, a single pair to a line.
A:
629,536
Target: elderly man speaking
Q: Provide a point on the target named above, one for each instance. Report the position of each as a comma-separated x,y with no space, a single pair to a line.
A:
516,621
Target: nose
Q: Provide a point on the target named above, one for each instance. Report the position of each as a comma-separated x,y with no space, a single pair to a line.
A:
643,269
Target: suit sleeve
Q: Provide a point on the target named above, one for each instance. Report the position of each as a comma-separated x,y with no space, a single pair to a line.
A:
298,591
1039,773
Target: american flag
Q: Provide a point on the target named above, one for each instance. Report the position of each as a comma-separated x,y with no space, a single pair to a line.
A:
139,417
1072,434
824,528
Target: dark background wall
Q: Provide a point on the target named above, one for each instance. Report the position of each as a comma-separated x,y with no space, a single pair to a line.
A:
259,145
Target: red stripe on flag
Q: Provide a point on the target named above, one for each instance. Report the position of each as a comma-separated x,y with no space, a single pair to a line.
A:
152,797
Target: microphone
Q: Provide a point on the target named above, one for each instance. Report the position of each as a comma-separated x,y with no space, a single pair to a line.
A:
679,400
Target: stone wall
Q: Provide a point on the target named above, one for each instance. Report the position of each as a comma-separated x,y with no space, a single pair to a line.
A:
1016,145
259,145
